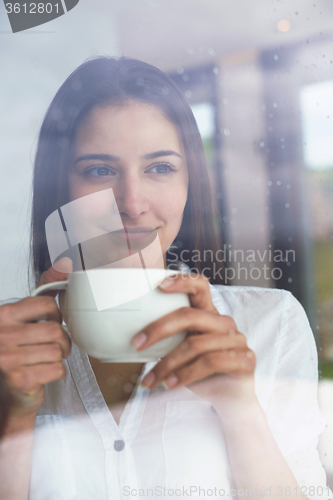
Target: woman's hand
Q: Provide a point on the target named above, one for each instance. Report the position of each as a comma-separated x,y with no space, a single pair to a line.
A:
32,346
214,355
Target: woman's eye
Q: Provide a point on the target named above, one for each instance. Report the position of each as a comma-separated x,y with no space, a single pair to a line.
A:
99,171
161,168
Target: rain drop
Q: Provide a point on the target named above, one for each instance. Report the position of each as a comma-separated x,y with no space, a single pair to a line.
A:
278,183
290,280
261,144
275,105
128,387
216,70
287,205
226,131
226,100
276,57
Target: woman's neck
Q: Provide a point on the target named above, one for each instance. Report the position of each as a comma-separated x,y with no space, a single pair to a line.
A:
116,382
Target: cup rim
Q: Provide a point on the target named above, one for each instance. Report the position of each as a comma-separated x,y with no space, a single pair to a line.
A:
135,269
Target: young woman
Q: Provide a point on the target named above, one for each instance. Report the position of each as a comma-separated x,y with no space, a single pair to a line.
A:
232,410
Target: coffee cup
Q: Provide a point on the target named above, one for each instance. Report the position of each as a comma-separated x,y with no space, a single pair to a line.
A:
105,308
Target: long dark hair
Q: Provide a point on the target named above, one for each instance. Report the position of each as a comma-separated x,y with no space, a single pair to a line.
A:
105,81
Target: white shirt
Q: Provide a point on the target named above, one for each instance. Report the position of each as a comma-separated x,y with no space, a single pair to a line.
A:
171,443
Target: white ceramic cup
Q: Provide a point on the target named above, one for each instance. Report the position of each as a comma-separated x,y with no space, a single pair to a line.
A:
105,308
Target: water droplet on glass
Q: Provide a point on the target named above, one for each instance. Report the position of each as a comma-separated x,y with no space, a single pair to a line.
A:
290,280
226,100
188,94
270,115
211,52
226,131
191,50
275,105
278,183
287,205
269,183
216,70
234,210
288,186
276,57
128,387
261,144
307,40
270,129
180,70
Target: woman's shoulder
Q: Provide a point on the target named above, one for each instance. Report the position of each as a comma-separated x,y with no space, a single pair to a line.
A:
266,315
251,299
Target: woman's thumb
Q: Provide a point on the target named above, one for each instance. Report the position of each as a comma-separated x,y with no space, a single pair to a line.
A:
58,272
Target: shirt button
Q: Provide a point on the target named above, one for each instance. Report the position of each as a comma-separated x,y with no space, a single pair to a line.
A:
119,445
213,410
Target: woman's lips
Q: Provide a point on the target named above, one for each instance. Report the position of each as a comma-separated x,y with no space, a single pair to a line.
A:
135,233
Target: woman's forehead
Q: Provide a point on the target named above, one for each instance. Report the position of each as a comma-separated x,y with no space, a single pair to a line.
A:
133,123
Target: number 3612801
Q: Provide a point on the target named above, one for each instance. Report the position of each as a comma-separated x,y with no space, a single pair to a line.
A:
31,8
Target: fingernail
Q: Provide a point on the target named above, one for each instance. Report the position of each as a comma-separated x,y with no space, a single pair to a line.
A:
166,283
64,265
139,340
148,380
170,381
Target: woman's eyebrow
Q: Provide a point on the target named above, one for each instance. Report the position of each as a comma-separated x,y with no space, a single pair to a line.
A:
157,154
97,157
149,156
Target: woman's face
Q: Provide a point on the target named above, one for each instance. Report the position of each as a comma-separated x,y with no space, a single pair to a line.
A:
135,150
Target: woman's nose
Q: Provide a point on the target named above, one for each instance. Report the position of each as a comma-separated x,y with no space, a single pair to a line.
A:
132,199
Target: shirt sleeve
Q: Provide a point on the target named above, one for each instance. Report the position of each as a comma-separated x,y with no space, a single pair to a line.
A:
293,412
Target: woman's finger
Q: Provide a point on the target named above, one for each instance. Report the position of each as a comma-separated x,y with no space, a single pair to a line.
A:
191,348
58,272
29,378
30,355
34,334
28,310
212,363
185,318
195,285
